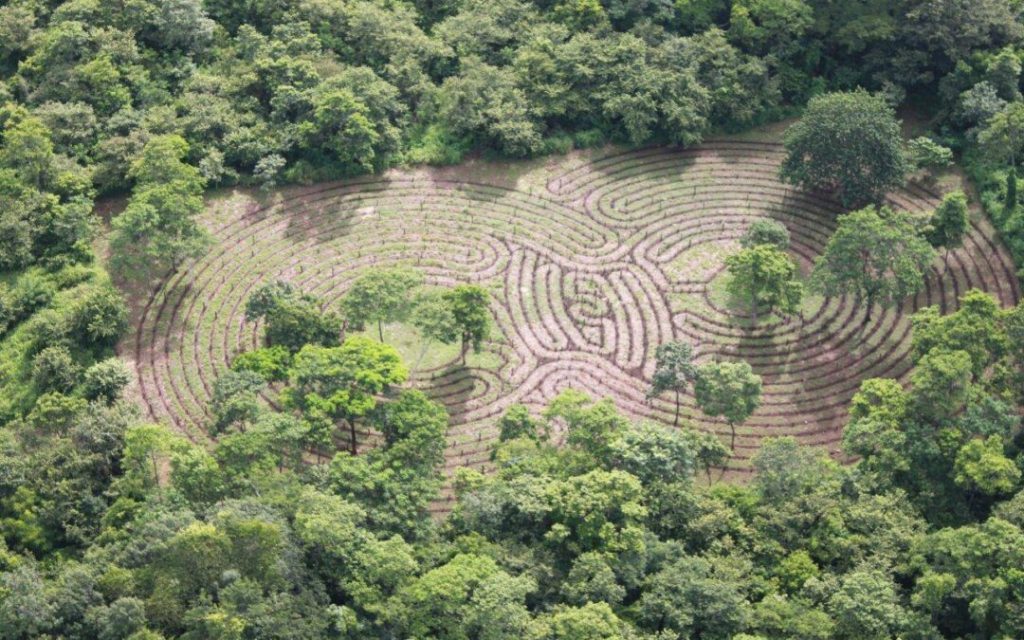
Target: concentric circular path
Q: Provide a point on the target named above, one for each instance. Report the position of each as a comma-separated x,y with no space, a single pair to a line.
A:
592,263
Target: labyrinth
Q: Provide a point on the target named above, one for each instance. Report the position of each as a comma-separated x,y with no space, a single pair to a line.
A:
593,261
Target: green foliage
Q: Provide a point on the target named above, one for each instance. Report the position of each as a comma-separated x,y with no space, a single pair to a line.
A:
106,380
925,153
468,304
270,363
112,528
673,371
875,254
950,221
382,296
292,319
728,389
982,466
517,423
1002,139
235,402
978,327
846,143
54,369
159,224
328,384
765,231
766,277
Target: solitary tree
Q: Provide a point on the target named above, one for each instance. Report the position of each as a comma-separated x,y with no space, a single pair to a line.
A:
766,231
875,254
728,389
380,295
949,223
847,143
766,277
468,304
673,371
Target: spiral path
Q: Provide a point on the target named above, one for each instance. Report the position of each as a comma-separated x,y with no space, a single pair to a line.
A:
592,264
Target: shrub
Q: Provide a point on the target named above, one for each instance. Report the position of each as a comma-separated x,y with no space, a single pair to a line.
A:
105,380
54,369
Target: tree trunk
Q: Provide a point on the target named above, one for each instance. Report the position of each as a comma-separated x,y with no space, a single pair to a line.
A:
753,307
675,421
380,329
352,430
732,442
867,312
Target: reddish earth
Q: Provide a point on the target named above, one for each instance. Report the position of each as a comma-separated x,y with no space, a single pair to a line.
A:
592,263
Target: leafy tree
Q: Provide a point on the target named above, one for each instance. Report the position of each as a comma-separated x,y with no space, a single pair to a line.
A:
355,119
437,603
941,383
673,371
765,231
396,482
728,389
591,580
25,610
875,254
235,402
55,369
866,605
655,454
925,153
484,100
592,621
598,511
270,363
381,296
693,597
293,319
766,277
105,380
875,432
982,466
1003,136
846,143
592,426
469,310
159,224
978,327
342,383
950,222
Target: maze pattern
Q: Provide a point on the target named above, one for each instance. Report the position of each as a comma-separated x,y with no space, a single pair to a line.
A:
592,263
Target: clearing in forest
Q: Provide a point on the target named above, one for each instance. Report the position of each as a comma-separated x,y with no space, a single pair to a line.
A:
593,260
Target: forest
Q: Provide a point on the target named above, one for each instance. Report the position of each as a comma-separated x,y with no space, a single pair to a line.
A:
506,319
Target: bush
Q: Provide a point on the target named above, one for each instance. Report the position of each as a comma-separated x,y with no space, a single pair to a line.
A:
436,145
101,317
105,380
270,363
925,153
54,369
